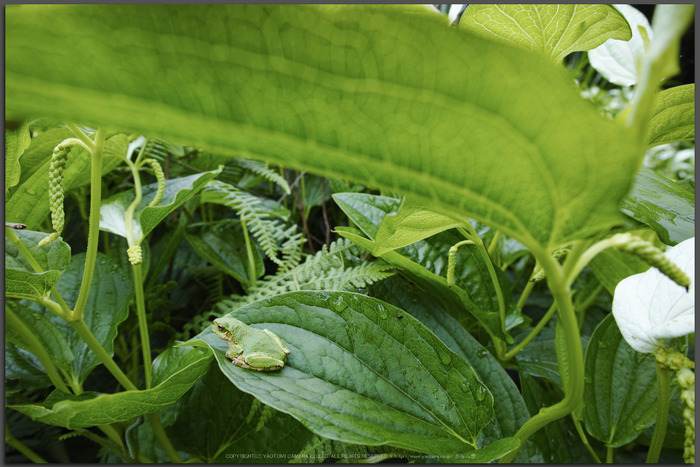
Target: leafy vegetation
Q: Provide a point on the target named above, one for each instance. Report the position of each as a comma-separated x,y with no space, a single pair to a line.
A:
438,212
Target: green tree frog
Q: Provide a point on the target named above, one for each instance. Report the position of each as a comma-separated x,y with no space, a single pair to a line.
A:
251,348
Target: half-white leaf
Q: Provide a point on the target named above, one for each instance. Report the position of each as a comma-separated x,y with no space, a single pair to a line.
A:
649,307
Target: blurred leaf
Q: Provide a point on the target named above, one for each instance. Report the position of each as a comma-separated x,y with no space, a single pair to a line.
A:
337,383
91,409
663,205
397,80
550,30
177,192
620,387
673,116
16,141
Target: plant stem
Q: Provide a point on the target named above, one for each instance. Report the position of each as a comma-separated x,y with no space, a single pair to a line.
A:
609,455
573,353
143,322
494,242
94,224
535,331
249,251
17,325
92,342
663,379
82,136
584,439
21,447
162,438
526,293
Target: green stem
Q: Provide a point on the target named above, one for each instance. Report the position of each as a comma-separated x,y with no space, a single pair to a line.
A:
249,251
162,438
129,216
663,379
573,355
609,455
82,136
29,337
21,447
535,331
526,293
584,438
143,322
94,224
107,444
102,355
494,242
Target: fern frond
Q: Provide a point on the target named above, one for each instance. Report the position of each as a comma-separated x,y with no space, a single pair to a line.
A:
336,267
261,169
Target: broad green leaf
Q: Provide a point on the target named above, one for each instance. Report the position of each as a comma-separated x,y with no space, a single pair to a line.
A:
410,224
92,409
673,116
177,192
552,30
620,387
223,245
16,141
47,334
107,307
650,307
558,440
611,266
510,412
214,422
38,154
619,61
23,371
54,256
366,211
29,203
339,385
375,94
457,301
30,285
663,205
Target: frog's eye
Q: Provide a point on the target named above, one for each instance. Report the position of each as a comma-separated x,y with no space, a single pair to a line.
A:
221,328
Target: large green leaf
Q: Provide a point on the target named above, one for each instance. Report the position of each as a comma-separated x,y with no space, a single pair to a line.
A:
29,203
91,409
551,30
339,384
16,141
673,116
30,285
620,387
663,205
388,96
510,412
52,257
106,308
146,218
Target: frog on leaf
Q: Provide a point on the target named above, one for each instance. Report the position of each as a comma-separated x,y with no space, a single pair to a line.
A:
250,348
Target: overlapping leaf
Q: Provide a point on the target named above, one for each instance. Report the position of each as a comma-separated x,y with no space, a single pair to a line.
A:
389,96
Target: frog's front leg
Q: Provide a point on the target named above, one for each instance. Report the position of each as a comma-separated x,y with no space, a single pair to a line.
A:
262,362
234,350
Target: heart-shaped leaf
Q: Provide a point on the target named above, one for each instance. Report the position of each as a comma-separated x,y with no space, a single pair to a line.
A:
337,382
650,307
146,218
673,116
620,387
374,94
551,30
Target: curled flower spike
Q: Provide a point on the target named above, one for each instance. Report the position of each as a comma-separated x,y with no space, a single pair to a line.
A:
160,178
452,261
58,164
134,254
653,256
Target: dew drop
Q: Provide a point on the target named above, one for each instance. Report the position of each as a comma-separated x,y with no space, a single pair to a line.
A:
446,359
481,393
383,313
338,304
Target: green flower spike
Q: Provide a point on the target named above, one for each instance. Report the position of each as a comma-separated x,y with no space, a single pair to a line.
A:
160,178
652,255
58,164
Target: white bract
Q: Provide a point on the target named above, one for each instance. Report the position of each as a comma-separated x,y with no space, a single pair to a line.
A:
619,61
649,307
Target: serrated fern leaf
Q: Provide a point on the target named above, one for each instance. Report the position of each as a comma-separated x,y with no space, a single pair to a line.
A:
261,169
336,267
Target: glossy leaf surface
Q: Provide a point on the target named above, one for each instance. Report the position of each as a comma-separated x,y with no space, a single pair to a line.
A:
337,383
